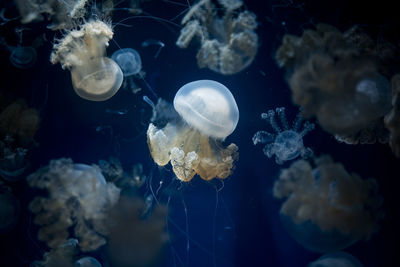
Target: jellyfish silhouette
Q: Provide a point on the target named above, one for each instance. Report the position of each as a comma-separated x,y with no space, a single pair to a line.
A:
207,115
130,63
336,259
87,262
22,57
94,76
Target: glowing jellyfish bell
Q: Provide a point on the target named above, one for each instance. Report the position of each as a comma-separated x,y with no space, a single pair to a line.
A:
128,60
23,57
209,107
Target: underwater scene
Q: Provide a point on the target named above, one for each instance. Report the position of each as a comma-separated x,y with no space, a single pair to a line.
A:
196,133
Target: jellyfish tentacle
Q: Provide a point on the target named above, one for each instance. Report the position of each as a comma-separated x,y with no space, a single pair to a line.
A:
297,122
281,113
307,127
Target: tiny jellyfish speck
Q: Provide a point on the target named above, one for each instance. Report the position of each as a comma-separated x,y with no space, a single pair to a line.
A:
286,144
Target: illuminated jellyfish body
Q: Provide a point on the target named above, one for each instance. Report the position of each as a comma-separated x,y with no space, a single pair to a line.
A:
192,142
9,210
286,144
326,209
130,63
228,42
336,259
94,76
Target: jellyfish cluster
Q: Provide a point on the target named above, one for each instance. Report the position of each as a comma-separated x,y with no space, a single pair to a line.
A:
287,143
94,76
207,115
228,43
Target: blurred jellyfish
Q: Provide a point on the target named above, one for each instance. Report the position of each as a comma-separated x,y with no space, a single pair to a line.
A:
13,161
192,142
61,13
78,201
150,42
228,43
60,256
336,259
287,144
392,119
22,57
113,172
19,123
130,63
136,237
326,208
335,77
87,262
95,77
9,209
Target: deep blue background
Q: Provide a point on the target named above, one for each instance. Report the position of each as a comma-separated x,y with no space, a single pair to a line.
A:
244,228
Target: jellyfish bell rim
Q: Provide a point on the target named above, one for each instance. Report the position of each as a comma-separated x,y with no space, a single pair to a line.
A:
115,57
28,63
195,119
107,94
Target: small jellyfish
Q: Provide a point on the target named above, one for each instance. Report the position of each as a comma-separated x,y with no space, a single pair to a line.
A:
192,141
336,259
94,76
87,262
130,63
286,144
22,57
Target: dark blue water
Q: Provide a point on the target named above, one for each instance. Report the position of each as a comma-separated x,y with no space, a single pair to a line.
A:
234,223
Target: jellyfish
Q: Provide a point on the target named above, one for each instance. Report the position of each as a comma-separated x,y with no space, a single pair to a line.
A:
13,161
60,13
87,262
338,79
22,57
326,208
62,255
228,43
336,259
94,76
9,209
130,63
206,114
78,202
287,143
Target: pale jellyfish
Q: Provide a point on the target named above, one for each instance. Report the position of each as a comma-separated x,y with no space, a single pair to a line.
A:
336,259
193,141
130,63
22,57
95,77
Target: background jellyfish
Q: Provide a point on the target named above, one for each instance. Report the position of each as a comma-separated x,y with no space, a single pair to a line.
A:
287,144
337,78
9,209
130,63
228,43
336,259
62,255
326,208
79,197
94,76
136,237
87,262
62,13
208,114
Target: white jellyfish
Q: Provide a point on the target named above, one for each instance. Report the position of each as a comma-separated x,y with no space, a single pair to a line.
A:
94,76
192,142
130,63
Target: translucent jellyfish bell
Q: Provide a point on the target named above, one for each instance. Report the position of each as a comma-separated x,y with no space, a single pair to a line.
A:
97,80
207,106
23,57
129,61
